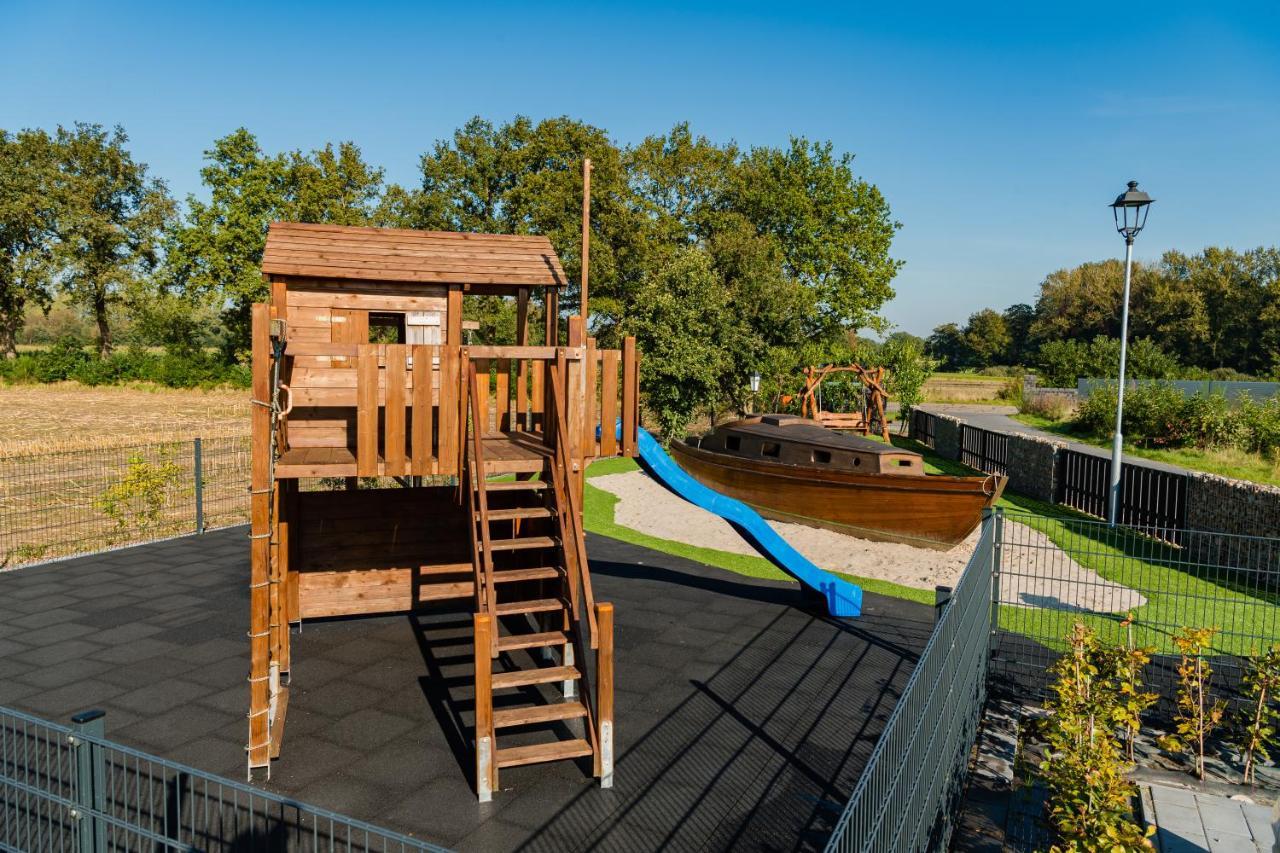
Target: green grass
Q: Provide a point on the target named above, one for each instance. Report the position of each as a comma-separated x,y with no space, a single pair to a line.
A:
1225,462
598,517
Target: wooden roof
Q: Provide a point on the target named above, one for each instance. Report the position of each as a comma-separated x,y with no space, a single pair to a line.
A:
396,254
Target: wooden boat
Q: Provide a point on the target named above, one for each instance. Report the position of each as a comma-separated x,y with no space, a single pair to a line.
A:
792,469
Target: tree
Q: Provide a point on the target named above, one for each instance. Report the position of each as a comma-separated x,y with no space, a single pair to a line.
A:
1018,320
949,346
834,229
987,337
1061,363
909,368
215,255
684,325
522,178
110,220
28,218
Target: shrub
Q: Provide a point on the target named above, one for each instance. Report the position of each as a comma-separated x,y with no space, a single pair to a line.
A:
1090,801
1198,713
69,360
1255,723
1259,425
1061,363
1210,421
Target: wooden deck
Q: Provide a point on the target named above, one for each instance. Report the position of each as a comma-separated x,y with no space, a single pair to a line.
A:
515,453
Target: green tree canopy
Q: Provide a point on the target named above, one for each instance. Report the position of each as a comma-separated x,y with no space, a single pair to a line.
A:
216,253
28,221
111,220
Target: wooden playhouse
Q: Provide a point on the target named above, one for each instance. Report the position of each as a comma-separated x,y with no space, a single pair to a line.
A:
360,371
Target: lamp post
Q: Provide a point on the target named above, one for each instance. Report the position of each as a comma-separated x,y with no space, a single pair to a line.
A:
1130,212
755,389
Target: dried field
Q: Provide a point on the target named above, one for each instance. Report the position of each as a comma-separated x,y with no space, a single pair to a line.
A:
66,416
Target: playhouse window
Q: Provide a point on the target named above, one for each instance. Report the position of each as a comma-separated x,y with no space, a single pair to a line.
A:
733,442
771,448
822,456
386,328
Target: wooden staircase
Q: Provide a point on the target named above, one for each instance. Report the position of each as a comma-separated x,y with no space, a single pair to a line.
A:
531,583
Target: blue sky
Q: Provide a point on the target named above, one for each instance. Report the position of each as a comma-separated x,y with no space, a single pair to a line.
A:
997,134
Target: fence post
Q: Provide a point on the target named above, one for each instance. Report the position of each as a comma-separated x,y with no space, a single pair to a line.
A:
199,472
941,598
996,519
91,793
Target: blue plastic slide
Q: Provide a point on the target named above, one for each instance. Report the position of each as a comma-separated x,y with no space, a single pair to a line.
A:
842,597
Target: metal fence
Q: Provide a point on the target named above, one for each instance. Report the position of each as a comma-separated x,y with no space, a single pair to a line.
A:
1151,499
1055,572
915,776
984,450
76,502
68,788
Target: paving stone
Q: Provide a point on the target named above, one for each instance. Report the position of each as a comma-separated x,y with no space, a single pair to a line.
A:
136,651
58,652
163,696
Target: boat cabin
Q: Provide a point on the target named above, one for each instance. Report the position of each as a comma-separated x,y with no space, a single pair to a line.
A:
793,440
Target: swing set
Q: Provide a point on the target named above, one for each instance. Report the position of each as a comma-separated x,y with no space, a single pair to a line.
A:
874,398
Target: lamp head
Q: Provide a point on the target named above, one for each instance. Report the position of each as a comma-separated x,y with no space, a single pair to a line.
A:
1130,211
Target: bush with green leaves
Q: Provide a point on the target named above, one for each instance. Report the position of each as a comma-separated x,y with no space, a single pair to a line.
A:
70,360
1158,415
1255,721
1062,362
1090,800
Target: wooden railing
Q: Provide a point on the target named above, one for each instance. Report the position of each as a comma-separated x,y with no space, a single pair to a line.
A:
408,418
569,510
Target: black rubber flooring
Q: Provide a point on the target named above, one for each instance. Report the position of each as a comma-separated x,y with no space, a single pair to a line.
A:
744,717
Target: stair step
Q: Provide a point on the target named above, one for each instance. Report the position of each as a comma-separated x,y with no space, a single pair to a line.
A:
554,751
446,569
542,675
513,466
521,543
507,717
514,485
444,591
538,605
517,513
532,641
536,573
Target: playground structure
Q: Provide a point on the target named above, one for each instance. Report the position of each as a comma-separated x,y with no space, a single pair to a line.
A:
874,399
488,444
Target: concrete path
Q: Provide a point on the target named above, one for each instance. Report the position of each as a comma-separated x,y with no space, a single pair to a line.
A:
997,419
1189,822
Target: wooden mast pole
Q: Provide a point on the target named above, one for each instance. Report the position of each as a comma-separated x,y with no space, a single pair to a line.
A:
586,236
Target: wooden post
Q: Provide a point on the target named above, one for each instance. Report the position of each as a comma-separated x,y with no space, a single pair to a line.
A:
604,694
609,403
575,403
591,410
586,238
393,443
260,544
486,766
552,324
366,411
521,420
453,319
630,403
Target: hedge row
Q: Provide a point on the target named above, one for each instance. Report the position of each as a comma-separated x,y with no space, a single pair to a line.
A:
1159,415
68,359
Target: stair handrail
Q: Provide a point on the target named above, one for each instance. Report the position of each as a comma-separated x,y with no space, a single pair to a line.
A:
574,520
489,596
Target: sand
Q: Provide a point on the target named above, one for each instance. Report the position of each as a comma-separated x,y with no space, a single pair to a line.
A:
1036,573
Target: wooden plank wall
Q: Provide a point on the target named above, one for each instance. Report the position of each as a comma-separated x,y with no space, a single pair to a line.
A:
360,552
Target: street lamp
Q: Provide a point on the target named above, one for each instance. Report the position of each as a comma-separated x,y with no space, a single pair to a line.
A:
1130,210
755,389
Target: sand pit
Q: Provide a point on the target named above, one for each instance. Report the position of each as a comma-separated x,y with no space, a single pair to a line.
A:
1062,584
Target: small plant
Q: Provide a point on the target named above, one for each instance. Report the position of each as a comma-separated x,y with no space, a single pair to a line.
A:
1091,802
1255,723
139,496
1131,701
1197,715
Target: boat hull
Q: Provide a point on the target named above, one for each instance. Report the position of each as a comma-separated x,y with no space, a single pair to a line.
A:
930,512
